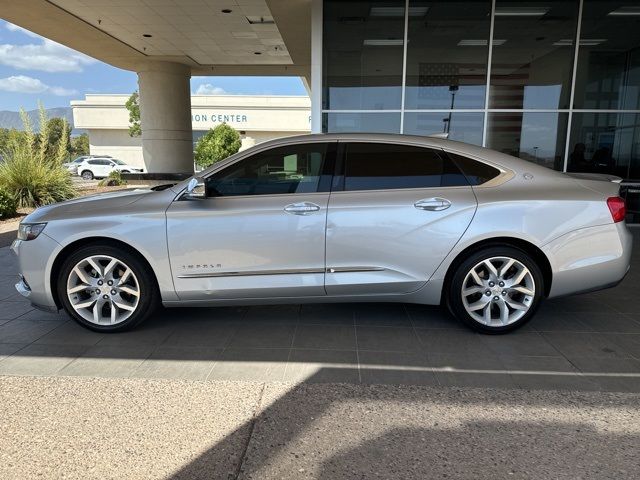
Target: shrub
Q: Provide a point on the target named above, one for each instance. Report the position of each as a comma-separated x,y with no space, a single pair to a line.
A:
32,171
8,205
217,144
113,180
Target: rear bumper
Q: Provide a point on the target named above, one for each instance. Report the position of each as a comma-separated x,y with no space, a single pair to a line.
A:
589,259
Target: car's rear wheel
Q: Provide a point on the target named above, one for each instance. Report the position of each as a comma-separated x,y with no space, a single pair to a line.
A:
106,289
87,175
496,290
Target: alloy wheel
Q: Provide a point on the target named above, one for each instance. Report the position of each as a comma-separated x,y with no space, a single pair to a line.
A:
498,291
103,290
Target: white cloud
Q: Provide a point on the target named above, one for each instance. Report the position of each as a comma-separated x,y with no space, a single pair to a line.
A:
208,89
24,84
46,56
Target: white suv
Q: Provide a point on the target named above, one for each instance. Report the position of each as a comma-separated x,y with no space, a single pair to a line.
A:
102,167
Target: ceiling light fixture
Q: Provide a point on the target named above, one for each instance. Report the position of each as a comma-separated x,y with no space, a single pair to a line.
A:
147,35
226,10
257,53
381,42
397,11
584,42
521,11
479,42
625,12
264,20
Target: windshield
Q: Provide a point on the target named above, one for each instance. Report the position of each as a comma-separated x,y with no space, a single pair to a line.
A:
119,162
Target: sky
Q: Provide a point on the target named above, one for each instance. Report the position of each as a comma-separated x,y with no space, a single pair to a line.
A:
33,68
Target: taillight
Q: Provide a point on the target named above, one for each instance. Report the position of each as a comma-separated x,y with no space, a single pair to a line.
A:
617,208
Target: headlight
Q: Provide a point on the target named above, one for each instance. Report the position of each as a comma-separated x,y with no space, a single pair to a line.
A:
30,231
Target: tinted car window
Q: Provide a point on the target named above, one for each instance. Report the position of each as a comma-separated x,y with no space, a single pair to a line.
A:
476,172
289,169
379,166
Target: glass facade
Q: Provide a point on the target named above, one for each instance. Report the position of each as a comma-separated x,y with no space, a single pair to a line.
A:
556,82
539,137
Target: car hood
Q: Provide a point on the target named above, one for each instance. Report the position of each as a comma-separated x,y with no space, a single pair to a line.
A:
110,201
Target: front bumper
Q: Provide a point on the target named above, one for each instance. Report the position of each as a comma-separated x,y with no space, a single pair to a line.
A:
35,261
23,287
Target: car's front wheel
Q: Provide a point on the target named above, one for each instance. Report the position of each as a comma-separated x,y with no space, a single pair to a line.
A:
496,290
87,175
106,289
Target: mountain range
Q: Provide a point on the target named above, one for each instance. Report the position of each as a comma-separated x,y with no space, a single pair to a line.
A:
9,119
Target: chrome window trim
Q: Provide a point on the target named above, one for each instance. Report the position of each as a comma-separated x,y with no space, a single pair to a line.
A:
413,189
268,195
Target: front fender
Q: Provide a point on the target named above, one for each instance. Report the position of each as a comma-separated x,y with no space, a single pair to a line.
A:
145,233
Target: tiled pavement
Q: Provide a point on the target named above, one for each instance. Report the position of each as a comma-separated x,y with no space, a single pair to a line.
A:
588,342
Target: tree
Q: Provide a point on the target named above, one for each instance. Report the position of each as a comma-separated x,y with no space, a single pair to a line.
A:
80,145
133,105
56,129
217,144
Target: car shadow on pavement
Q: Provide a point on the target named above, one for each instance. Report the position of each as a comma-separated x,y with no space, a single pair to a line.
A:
349,431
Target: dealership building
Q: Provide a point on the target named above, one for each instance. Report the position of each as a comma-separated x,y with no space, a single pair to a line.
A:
556,82
257,118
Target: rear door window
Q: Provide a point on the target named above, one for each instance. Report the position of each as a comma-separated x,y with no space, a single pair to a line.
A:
382,166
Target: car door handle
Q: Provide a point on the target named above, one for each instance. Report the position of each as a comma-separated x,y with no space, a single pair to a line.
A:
433,204
302,208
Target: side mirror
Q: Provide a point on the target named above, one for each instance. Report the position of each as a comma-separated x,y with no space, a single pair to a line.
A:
197,188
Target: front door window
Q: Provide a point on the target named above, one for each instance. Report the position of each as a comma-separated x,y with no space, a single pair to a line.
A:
282,170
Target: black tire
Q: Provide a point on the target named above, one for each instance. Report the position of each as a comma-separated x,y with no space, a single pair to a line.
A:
454,299
87,175
149,295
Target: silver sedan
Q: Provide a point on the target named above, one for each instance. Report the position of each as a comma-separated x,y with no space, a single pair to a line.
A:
332,218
